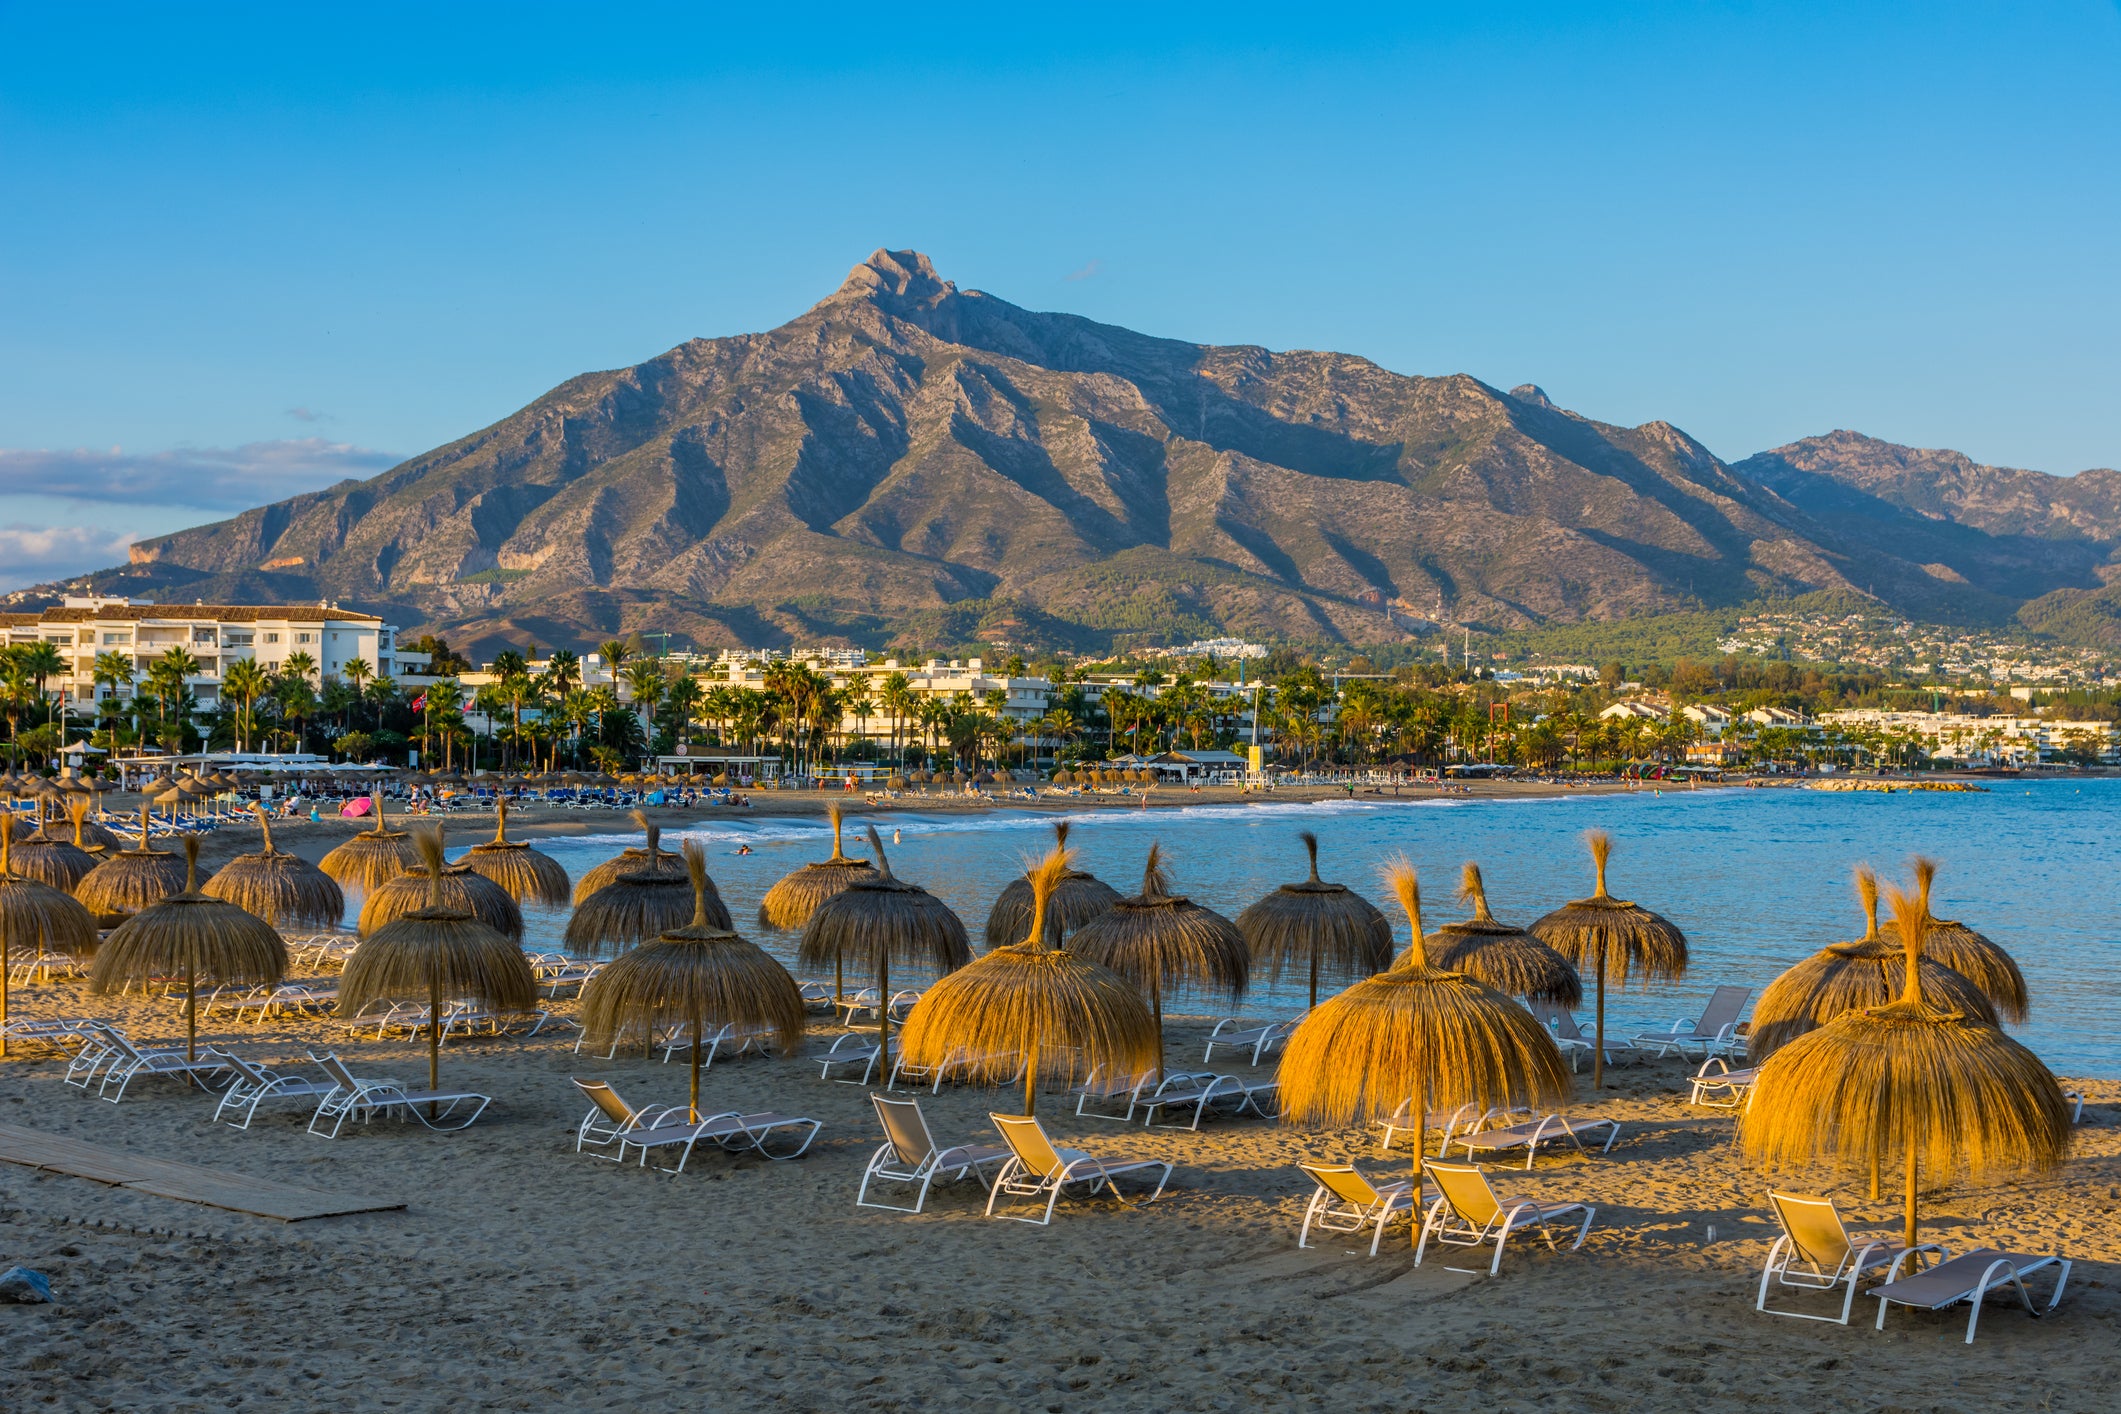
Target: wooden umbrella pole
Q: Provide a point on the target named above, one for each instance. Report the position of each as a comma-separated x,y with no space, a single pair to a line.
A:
1874,1175
1314,976
1908,1237
1031,1079
698,1024
883,1016
1598,1056
839,988
434,1035
3,990
1421,1136
1156,1001
191,1001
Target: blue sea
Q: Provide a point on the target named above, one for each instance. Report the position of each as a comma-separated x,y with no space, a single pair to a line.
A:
1757,878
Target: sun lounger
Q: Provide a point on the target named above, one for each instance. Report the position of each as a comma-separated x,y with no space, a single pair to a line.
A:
730,1039
1530,1134
852,1049
862,1006
254,1085
1401,1121
910,1155
558,975
1722,1088
817,996
959,1062
364,1099
1574,1041
1816,1252
1037,1168
1715,1030
1971,1277
613,1120
1345,1201
1261,1038
67,1034
288,998
1107,1090
124,1062
1468,1212
1205,1093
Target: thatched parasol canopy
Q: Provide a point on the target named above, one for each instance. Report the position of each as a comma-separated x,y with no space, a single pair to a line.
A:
35,913
641,903
878,920
527,875
1507,958
51,857
284,889
460,890
437,954
1157,939
205,939
635,860
130,880
370,859
1032,1004
1974,957
1329,930
97,839
1910,1080
1079,898
1843,977
1417,1031
1615,939
701,976
791,901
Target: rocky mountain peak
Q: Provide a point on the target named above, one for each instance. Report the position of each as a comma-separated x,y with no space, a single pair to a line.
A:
1534,394
896,278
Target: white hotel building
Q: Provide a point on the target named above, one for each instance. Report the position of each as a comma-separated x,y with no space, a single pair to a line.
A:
215,635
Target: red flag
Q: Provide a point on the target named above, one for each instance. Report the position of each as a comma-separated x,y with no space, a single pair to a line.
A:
419,703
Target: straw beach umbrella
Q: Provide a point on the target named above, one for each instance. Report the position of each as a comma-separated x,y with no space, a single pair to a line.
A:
878,920
284,889
637,859
460,889
1079,898
130,880
642,903
436,953
53,858
370,859
1932,1088
1035,1003
1508,959
790,902
204,938
1844,977
97,839
1416,1031
1157,939
1616,938
701,975
1329,929
529,876
1972,956
34,913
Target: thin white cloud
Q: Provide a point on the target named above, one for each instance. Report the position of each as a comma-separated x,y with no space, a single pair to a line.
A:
1088,272
310,415
33,554
215,478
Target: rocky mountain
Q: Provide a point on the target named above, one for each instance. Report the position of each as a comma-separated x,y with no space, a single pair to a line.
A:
911,462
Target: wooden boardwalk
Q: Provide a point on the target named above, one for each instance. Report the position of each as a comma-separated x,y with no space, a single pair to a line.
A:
165,1178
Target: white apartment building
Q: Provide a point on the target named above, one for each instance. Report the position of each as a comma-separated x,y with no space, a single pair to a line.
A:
1635,712
215,635
1712,720
1984,741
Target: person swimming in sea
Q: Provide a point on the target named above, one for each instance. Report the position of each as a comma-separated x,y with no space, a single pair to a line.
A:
894,837
743,849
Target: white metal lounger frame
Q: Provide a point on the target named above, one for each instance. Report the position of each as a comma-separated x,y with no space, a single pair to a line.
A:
1447,1225
1021,1179
1107,1087
1788,1265
1333,1210
126,1061
2003,1272
1721,1036
852,1048
364,1099
895,1161
1204,1092
1262,1038
1530,1135
1464,1119
958,1061
1724,1088
254,1085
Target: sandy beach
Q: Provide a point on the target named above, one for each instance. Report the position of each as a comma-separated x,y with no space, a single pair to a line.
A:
522,1275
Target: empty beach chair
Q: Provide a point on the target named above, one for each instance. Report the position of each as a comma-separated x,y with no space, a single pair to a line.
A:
1722,1088
1529,1134
1261,1038
855,1049
1037,1168
1574,1041
1345,1201
254,1085
817,996
65,1034
127,1063
1401,1121
1971,1277
1469,1212
1107,1090
730,1039
910,1155
959,1062
612,1120
439,1110
1715,1031
1817,1252
1203,1093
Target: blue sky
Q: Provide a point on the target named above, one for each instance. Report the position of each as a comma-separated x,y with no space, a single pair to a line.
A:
251,251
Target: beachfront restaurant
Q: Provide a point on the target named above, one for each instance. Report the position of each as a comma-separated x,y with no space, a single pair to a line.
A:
741,770
1192,768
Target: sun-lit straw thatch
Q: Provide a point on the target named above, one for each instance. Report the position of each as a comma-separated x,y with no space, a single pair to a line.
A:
37,916
1507,958
1079,898
130,880
878,920
194,936
635,859
641,903
97,839
1616,939
1974,957
284,889
528,875
1157,939
1934,1089
460,890
1049,1009
437,955
52,858
1326,930
699,976
370,859
1441,1038
791,901
1844,977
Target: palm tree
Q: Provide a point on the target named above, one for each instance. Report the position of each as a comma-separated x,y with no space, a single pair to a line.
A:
43,662
300,665
898,699
683,700
243,683
614,653
563,672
